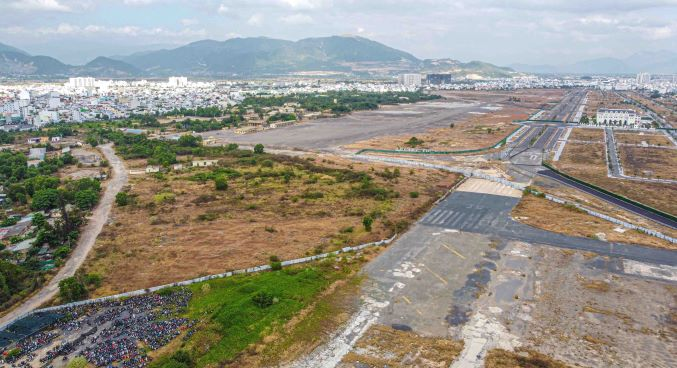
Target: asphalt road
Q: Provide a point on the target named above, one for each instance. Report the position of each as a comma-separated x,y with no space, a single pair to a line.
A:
490,214
612,153
605,197
85,243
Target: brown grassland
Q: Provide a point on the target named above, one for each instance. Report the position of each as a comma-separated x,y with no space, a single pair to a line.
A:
499,358
587,162
570,220
180,227
649,162
587,134
635,138
476,130
383,346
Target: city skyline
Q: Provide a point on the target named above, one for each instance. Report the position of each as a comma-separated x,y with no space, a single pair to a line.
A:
522,31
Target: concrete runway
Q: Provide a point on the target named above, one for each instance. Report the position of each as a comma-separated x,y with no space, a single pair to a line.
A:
429,278
326,134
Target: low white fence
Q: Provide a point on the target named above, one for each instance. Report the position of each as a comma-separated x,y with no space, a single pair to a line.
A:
614,220
200,279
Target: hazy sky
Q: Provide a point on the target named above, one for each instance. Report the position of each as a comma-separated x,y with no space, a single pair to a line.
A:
498,31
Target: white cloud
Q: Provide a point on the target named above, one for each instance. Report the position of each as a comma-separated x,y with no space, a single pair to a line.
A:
303,4
189,21
222,9
255,19
93,29
39,5
296,19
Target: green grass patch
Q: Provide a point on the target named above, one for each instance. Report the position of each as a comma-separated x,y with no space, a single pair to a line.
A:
232,315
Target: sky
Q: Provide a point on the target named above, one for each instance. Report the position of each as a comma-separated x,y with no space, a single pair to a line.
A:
503,32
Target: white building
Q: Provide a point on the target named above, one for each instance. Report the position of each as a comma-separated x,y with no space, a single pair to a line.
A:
643,78
177,82
411,80
81,82
618,118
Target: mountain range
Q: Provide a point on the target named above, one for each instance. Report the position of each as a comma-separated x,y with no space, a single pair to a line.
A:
248,57
660,62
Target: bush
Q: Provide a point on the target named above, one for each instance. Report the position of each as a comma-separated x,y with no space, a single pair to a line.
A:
276,266
367,221
220,183
413,142
93,279
413,194
258,148
122,199
71,289
263,299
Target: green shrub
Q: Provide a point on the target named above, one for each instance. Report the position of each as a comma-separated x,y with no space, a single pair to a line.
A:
413,194
122,199
276,266
263,299
258,148
220,183
367,221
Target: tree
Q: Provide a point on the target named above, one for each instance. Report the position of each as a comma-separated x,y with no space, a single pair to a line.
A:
258,148
71,289
45,199
189,141
367,221
220,183
86,199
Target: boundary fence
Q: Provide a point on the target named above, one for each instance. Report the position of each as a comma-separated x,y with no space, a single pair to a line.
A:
255,269
614,220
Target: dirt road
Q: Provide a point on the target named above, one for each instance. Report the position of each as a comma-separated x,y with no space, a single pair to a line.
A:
85,243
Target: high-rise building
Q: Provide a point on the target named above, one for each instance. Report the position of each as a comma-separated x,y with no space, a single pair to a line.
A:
643,78
177,82
81,82
411,80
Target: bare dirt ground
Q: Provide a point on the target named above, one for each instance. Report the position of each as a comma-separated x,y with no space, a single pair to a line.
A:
544,214
648,162
586,134
88,236
641,138
480,129
587,162
181,228
383,346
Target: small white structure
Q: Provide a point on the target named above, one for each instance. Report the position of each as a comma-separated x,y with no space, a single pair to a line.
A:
204,163
152,169
177,167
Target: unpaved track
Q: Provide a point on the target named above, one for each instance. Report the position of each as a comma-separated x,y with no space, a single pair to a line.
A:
85,243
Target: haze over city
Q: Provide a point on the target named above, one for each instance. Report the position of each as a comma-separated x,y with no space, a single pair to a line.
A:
501,32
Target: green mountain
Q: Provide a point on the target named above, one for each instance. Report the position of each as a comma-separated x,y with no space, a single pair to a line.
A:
260,55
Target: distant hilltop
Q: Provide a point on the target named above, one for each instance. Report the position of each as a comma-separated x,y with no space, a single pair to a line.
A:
250,57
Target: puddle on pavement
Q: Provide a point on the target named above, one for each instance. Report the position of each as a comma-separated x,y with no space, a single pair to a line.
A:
505,292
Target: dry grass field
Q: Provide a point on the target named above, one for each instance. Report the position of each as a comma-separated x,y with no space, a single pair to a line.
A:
662,108
571,221
605,100
181,227
649,162
478,130
383,346
587,162
499,358
586,134
641,138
